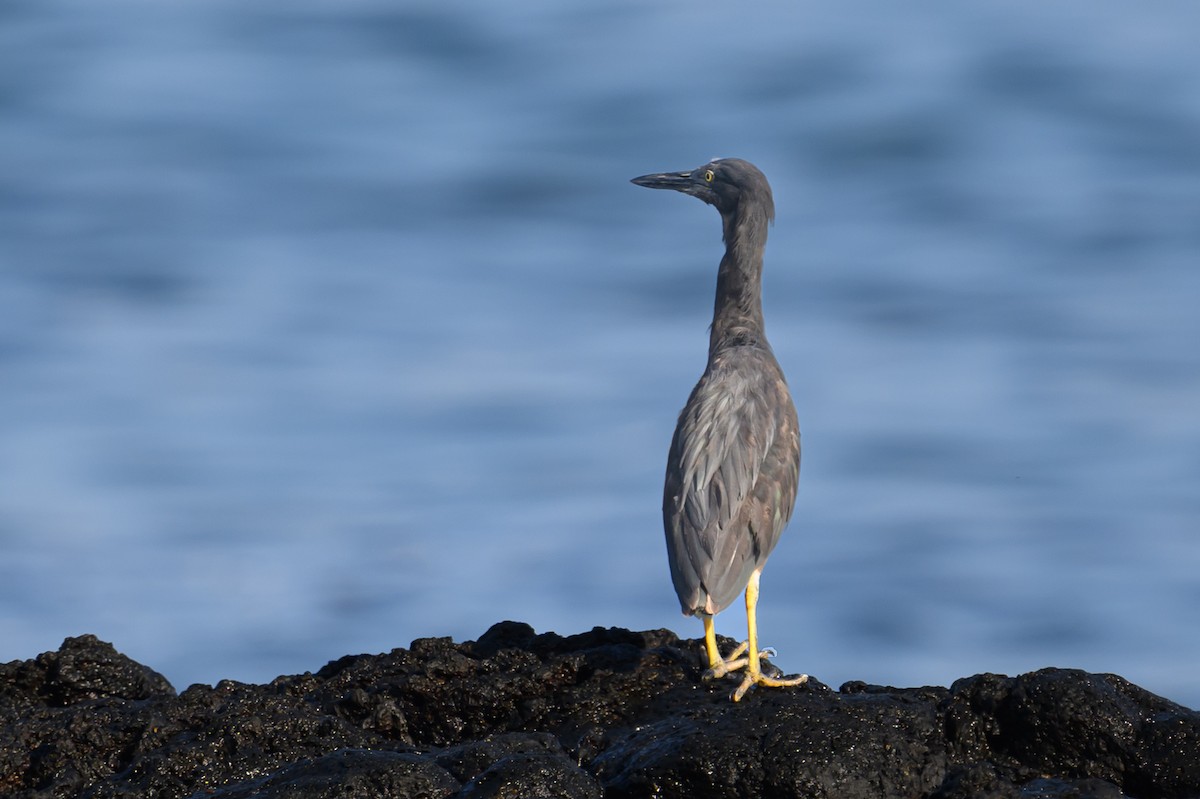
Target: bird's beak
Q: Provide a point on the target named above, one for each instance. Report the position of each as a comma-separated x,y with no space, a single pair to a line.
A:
679,181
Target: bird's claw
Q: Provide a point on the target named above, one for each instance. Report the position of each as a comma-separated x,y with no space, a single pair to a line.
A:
739,660
729,665
751,680
767,674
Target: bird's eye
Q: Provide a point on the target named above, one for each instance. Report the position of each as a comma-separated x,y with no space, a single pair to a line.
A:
708,176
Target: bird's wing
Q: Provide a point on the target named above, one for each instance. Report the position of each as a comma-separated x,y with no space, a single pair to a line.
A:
723,440
737,421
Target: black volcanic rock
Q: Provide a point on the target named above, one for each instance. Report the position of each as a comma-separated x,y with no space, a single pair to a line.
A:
607,713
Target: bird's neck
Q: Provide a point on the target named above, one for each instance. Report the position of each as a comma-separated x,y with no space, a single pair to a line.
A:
738,316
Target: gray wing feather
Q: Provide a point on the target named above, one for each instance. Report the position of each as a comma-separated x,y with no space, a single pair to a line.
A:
731,480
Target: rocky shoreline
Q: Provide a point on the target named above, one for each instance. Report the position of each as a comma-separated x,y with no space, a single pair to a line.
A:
610,713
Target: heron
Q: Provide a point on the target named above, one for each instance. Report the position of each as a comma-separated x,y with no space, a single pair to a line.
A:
734,463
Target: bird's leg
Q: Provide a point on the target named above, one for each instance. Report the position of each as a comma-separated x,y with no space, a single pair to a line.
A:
718,666
753,675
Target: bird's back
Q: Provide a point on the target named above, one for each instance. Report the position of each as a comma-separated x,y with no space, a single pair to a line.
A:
732,475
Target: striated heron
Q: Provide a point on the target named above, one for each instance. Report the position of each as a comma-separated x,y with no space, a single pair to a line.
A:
734,462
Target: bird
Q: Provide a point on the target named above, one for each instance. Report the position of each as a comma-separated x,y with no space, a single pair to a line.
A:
733,468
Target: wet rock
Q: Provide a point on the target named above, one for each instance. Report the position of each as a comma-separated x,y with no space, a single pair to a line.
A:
348,772
83,668
540,775
608,712
810,742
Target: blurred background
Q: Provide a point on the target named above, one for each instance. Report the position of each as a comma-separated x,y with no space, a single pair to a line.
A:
325,326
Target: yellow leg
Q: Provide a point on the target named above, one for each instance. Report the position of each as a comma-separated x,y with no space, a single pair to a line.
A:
717,665
710,642
752,622
754,675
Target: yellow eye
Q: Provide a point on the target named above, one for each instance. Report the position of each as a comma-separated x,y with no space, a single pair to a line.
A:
708,176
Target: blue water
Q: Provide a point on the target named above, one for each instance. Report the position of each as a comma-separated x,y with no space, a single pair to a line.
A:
325,326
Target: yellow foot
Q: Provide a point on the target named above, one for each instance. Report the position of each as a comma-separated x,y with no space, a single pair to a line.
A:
739,659
724,666
752,678
746,656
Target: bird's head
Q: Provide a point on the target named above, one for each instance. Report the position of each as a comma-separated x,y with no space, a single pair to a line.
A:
725,183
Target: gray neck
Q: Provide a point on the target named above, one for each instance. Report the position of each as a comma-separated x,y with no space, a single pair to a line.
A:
737,316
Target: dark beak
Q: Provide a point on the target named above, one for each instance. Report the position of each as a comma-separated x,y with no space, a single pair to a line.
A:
679,181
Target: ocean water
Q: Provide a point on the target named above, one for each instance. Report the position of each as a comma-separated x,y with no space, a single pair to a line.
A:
325,326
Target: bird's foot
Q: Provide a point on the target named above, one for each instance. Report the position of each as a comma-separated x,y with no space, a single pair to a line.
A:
738,659
752,679
724,666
